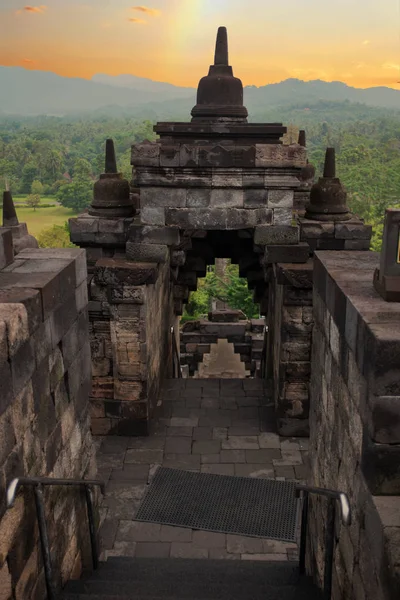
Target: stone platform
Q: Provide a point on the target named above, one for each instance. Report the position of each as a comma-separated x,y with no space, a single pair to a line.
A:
210,426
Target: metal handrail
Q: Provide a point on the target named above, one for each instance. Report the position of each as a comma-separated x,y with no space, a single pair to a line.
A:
38,483
176,361
263,362
345,513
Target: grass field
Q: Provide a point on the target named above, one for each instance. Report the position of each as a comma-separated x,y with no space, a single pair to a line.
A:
44,199
43,218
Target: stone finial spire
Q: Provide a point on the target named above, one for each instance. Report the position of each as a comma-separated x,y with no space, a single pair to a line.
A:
221,48
10,218
328,197
111,161
111,198
19,231
220,94
302,138
330,163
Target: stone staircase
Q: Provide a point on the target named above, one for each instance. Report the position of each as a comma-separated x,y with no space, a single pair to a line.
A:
123,578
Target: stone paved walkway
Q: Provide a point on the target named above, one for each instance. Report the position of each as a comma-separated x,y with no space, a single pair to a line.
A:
221,426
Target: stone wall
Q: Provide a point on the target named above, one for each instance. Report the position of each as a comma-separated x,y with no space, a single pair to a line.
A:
247,337
290,324
131,313
354,424
44,417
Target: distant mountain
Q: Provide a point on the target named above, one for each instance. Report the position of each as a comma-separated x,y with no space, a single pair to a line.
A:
25,93
168,91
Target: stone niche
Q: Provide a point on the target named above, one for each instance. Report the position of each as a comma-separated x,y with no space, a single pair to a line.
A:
355,425
44,411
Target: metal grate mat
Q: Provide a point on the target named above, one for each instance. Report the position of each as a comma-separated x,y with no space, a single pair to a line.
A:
239,505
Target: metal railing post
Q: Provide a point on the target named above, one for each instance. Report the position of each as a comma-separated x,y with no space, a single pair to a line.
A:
303,534
333,496
329,548
44,542
92,530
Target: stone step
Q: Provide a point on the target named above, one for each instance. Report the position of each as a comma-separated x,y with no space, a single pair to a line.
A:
172,579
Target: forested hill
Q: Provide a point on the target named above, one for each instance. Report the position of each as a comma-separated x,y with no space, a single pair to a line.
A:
24,92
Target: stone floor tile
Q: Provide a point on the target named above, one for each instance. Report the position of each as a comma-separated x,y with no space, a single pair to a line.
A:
218,469
253,423
239,544
302,472
152,472
186,550
232,456
175,534
139,456
269,440
265,456
194,402
266,557
220,433
108,532
243,430
289,444
114,445
187,462
134,531
217,421
277,547
178,445
110,461
121,549
210,459
244,401
202,433
210,402
248,412
130,473
293,554
104,474
209,539
184,421
222,554
146,443
179,431
122,510
189,413
152,550
125,490
255,471
228,404
286,472
289,459
304,443
240,443
206,447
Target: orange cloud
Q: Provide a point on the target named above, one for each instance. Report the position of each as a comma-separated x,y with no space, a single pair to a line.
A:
139,21
28,61
152,12
32,9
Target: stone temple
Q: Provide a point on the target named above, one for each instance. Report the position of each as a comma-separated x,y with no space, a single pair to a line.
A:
91,357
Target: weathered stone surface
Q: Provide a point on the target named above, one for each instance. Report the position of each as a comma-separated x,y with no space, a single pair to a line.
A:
255,197
282,234
226,198
157,197
280,198
109,271
268,155
146,154
154,235
198,198
150,215
151,253
217,218
289,253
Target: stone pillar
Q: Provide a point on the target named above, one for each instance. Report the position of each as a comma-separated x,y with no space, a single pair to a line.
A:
19,231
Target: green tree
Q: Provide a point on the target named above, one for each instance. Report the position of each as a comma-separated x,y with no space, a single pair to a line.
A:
77,194
55,237
33,201
37,188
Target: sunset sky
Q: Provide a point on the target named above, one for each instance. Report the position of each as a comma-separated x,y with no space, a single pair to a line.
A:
355,41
